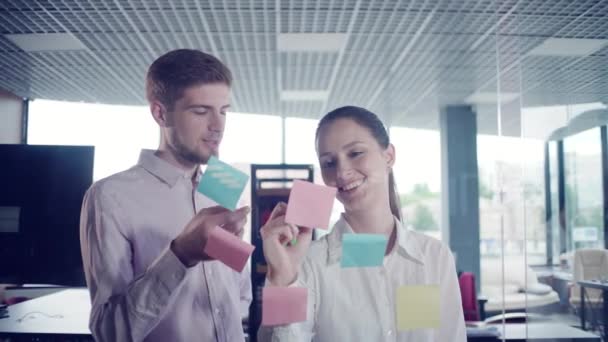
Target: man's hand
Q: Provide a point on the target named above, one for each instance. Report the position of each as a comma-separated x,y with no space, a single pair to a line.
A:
189,245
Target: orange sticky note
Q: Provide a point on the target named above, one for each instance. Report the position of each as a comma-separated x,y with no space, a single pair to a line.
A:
283,305
310,205
228,248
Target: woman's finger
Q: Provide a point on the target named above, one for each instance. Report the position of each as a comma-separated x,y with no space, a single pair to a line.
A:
294,230
282,233
279,209
275,222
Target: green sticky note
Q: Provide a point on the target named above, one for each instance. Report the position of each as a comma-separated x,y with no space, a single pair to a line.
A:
363,250
417,307
222,183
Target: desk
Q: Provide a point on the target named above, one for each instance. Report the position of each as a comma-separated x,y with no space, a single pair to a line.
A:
58,316
594,284
541,332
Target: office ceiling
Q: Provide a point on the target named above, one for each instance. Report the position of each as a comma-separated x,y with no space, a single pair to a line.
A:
402,59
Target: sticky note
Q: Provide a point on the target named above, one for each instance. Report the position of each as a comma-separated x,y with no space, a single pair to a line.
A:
363,250
228,248
310,205
283,305
417,307
222,183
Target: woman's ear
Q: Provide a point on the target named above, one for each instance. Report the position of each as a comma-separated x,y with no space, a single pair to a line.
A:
389,155
159,113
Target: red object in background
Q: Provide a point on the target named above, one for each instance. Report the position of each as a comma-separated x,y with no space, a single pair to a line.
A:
15,300
265,216
469,296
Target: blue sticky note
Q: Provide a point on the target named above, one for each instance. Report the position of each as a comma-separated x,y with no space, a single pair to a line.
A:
363,250
222,183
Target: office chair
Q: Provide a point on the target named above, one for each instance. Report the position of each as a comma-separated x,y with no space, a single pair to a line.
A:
589,264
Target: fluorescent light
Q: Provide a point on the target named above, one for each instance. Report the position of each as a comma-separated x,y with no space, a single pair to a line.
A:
488,97
311,41
304,95
568,47
37,42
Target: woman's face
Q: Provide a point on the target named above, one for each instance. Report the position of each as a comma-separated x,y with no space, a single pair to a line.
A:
352,161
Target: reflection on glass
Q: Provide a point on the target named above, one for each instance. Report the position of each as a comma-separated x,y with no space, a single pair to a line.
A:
554,198
583,171
511,198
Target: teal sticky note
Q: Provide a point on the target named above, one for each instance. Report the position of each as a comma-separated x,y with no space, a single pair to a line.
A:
222,183
363,250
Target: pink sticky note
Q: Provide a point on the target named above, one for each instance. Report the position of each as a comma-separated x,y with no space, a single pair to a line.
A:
310,205
228,248
283,305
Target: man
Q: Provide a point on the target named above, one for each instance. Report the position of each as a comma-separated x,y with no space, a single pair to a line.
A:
143,230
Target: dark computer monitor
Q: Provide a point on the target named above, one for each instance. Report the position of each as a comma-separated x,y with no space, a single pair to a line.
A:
41,192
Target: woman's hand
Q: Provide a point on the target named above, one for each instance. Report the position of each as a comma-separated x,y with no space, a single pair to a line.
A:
283,256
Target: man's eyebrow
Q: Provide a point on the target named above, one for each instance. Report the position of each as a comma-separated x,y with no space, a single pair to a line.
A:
194,106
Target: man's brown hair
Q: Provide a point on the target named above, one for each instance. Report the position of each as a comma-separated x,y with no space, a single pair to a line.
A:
170,74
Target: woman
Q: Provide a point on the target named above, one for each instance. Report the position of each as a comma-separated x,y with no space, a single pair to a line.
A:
358,304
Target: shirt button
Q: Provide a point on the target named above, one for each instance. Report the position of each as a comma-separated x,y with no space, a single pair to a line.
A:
217,312
389,333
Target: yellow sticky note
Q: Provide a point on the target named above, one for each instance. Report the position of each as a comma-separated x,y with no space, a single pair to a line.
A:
417,307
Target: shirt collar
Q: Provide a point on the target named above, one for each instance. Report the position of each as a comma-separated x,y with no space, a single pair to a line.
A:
162,169
407,245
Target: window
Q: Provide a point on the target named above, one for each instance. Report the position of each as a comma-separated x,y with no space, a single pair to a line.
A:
251,138
117,132
511,197
418,176
584,191
300,141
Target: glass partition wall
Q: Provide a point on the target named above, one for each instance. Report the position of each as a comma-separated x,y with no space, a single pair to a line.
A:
559,99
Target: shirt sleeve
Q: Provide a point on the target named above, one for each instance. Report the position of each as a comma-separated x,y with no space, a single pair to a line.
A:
123,308
245,291
452,317
301,331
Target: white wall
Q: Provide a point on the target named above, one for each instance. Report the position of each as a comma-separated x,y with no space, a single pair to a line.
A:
10,118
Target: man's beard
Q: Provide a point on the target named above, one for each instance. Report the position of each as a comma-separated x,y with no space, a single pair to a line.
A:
189,155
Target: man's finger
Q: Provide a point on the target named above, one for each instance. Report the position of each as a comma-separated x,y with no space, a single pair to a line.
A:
212,210
246,208
235,227
233,218
240,233
227,220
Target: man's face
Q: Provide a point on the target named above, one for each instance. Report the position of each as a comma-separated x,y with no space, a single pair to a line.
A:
194,128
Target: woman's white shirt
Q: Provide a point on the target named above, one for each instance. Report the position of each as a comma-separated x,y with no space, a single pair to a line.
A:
358,304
